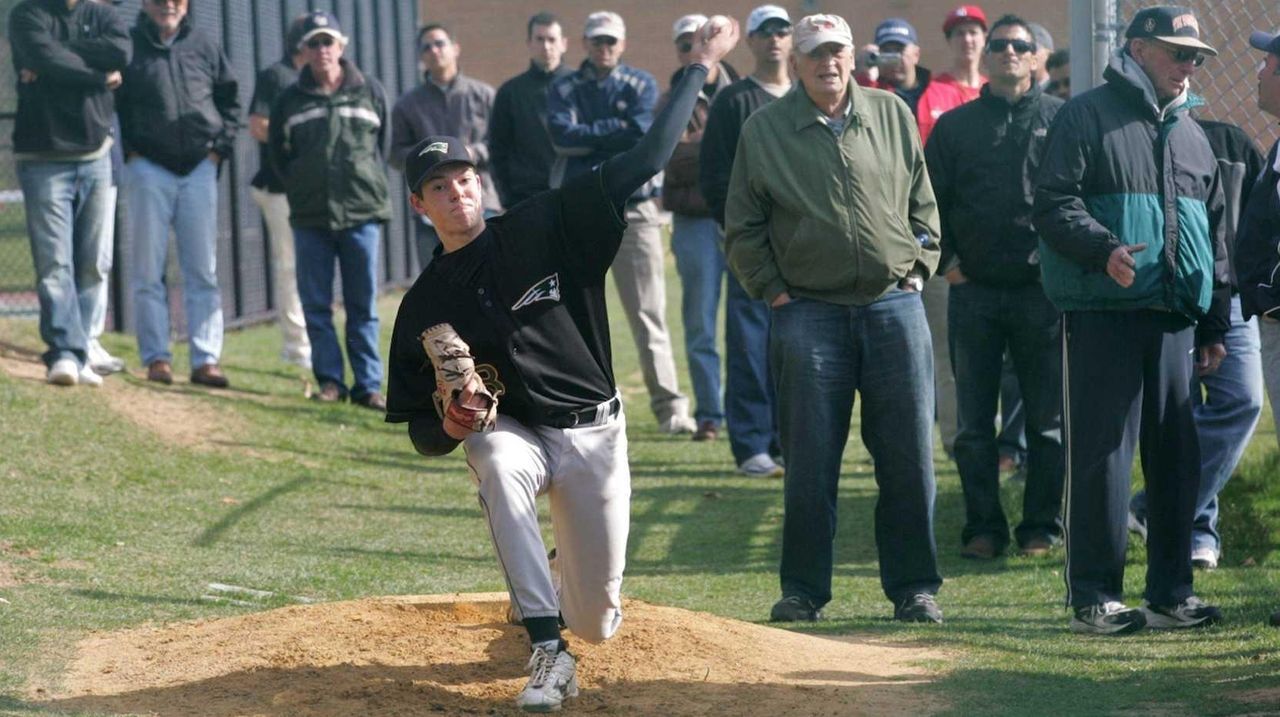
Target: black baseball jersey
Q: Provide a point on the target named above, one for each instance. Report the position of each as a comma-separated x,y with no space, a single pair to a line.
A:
528,296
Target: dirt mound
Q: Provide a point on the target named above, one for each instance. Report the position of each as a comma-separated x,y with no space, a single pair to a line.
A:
456,654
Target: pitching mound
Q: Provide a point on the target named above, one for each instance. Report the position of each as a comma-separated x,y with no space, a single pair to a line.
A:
456,654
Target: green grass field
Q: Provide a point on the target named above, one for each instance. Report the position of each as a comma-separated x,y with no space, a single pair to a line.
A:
104,525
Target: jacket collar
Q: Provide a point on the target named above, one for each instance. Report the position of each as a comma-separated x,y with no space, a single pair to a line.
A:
804,112
351,78
1125,75
1032,96
151,32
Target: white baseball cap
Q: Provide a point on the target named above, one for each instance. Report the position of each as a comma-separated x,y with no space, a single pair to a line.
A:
765,13
816,30
688,23
605,23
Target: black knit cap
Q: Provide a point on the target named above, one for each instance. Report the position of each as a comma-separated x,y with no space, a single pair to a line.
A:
1168,24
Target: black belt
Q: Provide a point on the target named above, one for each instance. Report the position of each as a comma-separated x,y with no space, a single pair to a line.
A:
586,416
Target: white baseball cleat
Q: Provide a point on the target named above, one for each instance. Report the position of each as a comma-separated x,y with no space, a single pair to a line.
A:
552,680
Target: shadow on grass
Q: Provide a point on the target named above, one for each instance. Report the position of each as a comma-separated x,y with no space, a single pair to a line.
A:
213,533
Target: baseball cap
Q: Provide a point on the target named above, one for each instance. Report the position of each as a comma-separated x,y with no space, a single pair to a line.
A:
964,13
430,155
1265,41
1170,24
293,36
765,13
895,29
688,23
605,23
320,22
816,30
1039,33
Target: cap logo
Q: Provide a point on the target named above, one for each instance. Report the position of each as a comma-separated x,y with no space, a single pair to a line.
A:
1149,25
1187,20
962,12
441,147
321,20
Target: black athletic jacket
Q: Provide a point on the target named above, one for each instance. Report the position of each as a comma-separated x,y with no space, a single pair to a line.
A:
729,111
520,151
178,102
1257,251
982,158
68,108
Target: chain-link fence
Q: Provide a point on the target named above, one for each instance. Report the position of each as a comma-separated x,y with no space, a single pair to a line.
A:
1228,82
382,36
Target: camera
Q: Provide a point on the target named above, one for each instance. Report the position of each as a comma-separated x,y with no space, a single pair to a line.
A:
882,59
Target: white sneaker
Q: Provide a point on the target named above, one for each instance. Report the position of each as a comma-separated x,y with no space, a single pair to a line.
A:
1204,558
1109,618
677,425
761,465
1192,612
103,363
89,377
63,372
552,680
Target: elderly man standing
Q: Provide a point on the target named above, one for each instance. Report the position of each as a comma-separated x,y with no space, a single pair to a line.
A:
179,113
1129,206
831,218
597,112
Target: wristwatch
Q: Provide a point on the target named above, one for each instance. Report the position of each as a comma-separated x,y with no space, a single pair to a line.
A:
912,283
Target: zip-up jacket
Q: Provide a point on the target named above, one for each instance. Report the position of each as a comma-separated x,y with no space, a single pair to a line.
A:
680,191
1257,251
1240,164
837,219
729,111
179,102
68,108
982,160
592,119
328,149
520,151
1119,169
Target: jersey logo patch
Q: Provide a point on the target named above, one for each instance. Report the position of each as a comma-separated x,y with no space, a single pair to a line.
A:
547,289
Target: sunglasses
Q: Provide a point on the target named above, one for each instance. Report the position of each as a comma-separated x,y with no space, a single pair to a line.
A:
599,40
1183,56
320,41
1019,46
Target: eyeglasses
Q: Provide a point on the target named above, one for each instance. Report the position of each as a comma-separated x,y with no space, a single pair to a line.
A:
1021,47
599,40
320,41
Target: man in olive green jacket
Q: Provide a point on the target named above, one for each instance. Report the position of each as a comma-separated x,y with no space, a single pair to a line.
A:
831,218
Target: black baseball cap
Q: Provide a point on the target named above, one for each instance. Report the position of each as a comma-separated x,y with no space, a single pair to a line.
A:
1266,41
1168,24
430,155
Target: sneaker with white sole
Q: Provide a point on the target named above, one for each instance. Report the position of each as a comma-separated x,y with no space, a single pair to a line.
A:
761,465
89,377
677,425
63,372
1204,558
1108,618
1192,612
552,680
102,362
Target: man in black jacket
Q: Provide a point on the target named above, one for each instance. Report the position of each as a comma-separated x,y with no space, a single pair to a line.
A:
68,55
520,151
179,113
981,158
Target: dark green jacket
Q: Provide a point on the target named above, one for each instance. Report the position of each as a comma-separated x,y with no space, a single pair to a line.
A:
329,151
837,219
1118,169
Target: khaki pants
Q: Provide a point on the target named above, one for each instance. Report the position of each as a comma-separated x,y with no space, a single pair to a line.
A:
275,211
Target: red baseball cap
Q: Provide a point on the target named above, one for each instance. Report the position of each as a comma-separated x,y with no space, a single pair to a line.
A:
964,13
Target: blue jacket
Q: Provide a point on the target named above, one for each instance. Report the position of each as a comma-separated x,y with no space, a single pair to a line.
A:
1101,185
591,120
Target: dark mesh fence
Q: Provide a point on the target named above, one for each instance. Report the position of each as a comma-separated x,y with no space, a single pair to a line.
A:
252,32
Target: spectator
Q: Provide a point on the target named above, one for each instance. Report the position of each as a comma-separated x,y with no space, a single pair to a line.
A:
695,238
1059,67
69,57
179,112
593,114
866,61
520,151
842,270
268,193
981,159
335,110
1044,48
1227,403
1258,236
749,399
1139,296
966,31
447,102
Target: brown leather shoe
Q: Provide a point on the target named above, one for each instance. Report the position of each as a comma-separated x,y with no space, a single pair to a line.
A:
980,547
707,431
160,371
330,392
374,400
210,375
1036,548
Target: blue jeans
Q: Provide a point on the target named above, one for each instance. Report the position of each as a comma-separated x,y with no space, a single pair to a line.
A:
355,250
822,354
700,260
1226,406
985,323
70,208
159,201
749,396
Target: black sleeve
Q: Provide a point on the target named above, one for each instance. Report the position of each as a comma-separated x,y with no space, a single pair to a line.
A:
1212,328
624,173
501,141
1060,214
715,163
938,158
226,97
411,381
266,87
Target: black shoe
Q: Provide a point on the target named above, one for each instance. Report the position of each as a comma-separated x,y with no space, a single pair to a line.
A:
373,400
1192,612
1108,618
794,609
920,607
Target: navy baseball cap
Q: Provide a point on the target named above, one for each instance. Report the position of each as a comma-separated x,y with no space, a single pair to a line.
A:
1265,41
895,29
432,154
1168,24
320,22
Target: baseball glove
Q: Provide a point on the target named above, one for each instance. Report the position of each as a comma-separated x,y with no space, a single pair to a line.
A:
455,368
